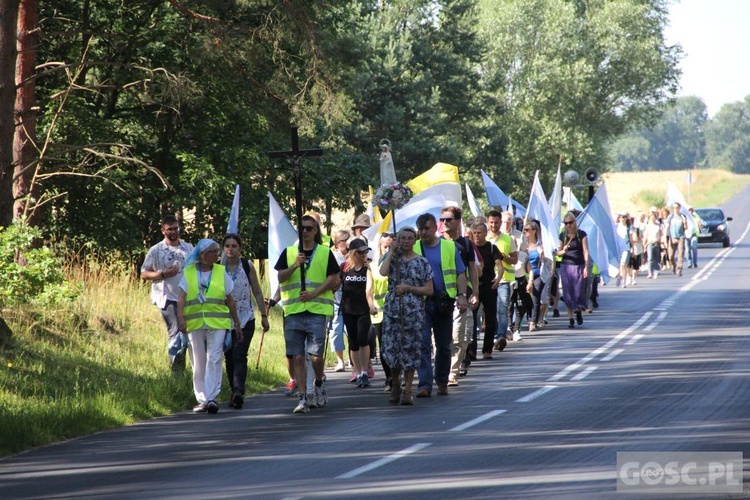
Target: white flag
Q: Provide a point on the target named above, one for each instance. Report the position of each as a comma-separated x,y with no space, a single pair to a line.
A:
281,234
473,205
234,213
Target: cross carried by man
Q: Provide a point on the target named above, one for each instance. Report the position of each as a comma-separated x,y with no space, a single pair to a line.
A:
296,154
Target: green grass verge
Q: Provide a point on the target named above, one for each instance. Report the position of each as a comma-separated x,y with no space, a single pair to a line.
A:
101,363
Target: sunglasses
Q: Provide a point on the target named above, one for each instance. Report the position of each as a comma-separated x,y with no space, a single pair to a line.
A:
362,252
172,228
447,219
307,228
569,222
528,229
388,235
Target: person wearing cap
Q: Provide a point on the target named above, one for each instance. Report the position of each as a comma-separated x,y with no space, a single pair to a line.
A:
163,267
361,223
357,304
336,326
206,310
306,311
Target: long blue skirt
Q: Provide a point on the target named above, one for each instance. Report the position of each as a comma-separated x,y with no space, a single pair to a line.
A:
573,286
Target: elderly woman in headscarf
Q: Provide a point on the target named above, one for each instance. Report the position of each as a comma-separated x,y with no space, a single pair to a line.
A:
205,309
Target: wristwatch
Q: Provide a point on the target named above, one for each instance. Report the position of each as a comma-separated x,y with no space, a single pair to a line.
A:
461,295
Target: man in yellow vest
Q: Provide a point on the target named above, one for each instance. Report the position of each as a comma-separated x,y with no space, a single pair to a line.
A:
449,280
306,312
508,247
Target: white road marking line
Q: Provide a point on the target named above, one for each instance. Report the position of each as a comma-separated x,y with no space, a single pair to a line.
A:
635,339
383,461
478,420
654,323
585,373
536,394
612,355
600,350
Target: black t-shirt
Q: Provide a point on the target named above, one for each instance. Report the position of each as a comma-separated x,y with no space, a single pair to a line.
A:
333,266
353,291
574,255
465,249
490,253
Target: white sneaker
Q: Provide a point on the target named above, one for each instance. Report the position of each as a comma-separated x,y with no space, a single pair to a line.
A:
321,398
656,274
517,336
532,327
340,366
302,406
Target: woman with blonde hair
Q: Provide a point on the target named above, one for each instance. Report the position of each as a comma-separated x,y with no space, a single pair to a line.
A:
574,250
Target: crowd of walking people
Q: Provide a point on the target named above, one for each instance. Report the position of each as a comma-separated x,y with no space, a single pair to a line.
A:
420,301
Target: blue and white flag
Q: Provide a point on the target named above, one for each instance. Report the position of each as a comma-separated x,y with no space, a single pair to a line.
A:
555,201
234,213
675,196
281,234
497,198
570,201
538,209
473,205
407,216
605,246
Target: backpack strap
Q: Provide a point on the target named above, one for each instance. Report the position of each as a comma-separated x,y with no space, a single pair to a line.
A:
246,267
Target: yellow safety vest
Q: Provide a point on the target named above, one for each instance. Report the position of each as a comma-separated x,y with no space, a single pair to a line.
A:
212,312
379,291
504,244
315,275
447,264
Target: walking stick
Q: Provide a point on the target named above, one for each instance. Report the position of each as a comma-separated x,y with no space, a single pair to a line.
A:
260,349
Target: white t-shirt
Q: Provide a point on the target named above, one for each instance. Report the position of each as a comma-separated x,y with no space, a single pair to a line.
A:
204,278
160,257
241,294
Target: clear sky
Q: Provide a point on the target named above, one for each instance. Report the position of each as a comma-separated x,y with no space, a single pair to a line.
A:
715,39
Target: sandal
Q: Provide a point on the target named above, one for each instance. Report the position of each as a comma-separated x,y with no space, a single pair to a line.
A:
395,394
406,399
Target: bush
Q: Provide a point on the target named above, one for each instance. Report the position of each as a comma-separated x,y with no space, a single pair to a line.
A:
30,274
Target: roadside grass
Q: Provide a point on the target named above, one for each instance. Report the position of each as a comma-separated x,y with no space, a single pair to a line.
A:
633,191
101,363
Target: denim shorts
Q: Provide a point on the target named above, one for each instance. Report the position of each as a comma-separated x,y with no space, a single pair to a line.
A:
303,329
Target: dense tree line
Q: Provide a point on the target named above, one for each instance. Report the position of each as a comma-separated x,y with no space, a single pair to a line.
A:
684,137
125,111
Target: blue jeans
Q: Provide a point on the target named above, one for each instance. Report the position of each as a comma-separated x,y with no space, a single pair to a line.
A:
503,301
693,251
442,327
336,329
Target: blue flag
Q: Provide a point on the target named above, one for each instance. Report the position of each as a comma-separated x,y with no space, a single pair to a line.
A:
605,247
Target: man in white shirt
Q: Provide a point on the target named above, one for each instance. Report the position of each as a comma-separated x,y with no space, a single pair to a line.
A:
163,267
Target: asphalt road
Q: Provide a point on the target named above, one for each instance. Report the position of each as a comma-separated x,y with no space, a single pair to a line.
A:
663,366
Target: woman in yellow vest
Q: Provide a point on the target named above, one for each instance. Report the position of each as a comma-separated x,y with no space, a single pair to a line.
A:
205,310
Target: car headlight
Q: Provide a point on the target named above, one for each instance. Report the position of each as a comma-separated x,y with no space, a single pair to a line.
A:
721,227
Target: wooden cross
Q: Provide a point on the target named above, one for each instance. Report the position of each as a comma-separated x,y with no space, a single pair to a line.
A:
296,154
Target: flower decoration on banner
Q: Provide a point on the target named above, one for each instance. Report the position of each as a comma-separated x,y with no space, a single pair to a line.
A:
392,196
